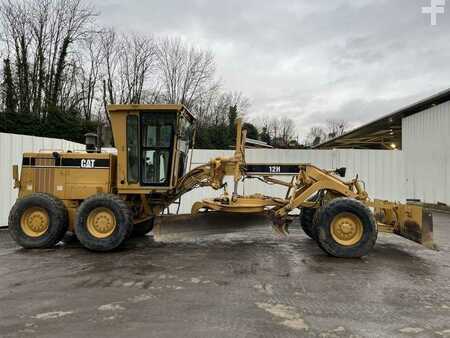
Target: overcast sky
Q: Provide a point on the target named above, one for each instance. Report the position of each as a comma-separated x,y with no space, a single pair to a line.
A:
308,60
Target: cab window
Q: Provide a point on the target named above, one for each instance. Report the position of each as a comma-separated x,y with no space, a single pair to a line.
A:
184,143
133,149
157,145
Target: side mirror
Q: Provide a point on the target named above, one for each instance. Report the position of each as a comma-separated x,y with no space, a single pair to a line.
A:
16,176
341,172
193,138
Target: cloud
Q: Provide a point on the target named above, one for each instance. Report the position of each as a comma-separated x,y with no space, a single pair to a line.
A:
307,60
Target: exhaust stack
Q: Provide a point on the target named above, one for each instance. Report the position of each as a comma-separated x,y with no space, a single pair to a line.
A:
91,143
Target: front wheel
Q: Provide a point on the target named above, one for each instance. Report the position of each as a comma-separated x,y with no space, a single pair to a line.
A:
346,228
307,221
307,216
103,222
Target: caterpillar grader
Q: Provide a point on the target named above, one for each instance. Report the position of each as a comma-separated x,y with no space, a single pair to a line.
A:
105,198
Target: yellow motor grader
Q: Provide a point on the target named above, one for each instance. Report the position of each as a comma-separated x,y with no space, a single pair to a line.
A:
105,198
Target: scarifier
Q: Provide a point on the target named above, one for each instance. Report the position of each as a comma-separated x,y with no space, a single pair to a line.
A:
105,198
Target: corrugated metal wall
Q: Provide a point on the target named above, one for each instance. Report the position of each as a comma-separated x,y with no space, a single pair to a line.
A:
426,147
11,149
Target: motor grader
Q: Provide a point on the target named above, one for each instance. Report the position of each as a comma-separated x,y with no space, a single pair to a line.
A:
105,198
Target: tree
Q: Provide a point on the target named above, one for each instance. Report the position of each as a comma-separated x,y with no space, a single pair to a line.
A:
137,62
109,45
278,132
316,136
39,35
336,128
217,112
232,116
69,22
252,131
264,135
16,36
61,70
9,91
130,62
89,74
286,130
186,73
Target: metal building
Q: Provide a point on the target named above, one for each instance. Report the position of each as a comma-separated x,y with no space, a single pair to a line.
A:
421,132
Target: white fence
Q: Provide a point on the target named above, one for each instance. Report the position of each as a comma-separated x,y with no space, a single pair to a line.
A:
384,172
11,149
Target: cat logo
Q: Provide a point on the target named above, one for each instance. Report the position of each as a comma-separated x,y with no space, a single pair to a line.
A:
89,164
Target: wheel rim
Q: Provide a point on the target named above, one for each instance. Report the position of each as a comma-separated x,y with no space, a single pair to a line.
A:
101,223
347,229
34,222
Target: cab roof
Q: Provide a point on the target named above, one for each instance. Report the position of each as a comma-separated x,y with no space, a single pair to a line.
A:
149,107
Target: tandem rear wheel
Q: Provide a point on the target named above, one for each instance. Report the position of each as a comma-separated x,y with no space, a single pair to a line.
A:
103,222
345,228
38,221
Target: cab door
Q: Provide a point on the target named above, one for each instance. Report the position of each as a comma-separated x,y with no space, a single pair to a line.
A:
158,131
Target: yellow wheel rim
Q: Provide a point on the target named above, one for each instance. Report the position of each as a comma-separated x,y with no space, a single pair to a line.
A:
34,222
347,229
101,223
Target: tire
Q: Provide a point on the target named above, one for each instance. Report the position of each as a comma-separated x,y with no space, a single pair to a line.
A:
307,217
51,214
307,221
119,212
142,229
332,238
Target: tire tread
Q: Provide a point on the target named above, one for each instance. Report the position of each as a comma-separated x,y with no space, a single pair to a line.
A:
58,218
326,214
119,207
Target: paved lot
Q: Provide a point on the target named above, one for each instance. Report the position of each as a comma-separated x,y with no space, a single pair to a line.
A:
245,285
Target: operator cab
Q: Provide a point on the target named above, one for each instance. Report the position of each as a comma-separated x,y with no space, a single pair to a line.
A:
153,143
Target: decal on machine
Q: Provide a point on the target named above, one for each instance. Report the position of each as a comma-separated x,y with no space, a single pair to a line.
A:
273,169
87,164
71,163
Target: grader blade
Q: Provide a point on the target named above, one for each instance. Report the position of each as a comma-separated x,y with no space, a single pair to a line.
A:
409,221
191,227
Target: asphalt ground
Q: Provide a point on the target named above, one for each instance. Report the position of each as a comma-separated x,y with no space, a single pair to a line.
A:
249,284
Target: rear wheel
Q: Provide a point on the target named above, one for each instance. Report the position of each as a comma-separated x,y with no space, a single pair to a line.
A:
103,222
346,228
143,228
38,221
